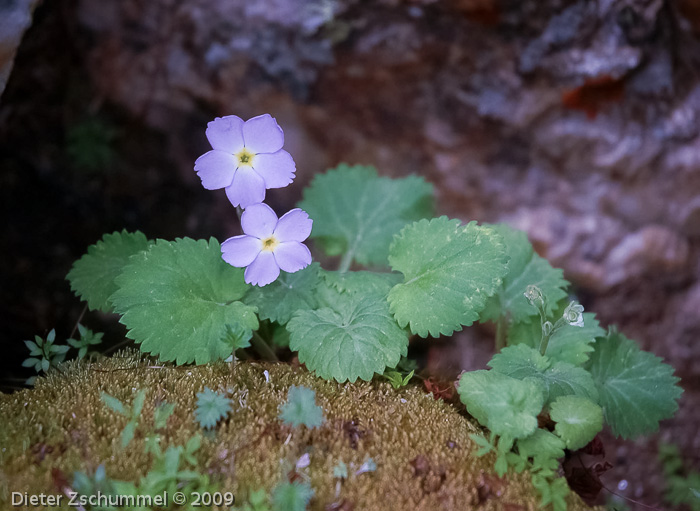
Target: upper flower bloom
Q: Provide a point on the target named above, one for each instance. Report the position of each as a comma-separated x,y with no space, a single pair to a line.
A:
268,244
247,158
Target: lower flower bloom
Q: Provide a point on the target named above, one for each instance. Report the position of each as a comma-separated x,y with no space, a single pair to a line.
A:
269,245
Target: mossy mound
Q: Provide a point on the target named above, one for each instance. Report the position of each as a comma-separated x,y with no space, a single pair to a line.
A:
421,446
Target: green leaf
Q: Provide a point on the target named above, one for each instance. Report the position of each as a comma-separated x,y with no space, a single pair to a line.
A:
237,336
340,470
636,388
178,298
162,413
572,344
211,408
280,336
128,433
137,405
353,338
33,348
92,277
301,408
552,492
543,447
482,443
449,272
289,293
578,420
508,407
557,378
364,282
524,268
357,212
114,404
294,496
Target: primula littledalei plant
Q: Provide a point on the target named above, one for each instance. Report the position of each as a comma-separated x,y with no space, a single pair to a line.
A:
555,380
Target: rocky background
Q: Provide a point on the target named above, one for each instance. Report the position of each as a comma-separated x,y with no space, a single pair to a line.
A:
577,121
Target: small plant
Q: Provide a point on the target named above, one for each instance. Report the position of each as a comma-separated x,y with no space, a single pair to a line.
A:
291,496
132,413
301,408
87,338
397,379
211,408
399,272
44,354
258,500
682,484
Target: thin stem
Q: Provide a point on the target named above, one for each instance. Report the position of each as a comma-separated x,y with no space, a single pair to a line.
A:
345,262
80,318
263,349
500,334
544,342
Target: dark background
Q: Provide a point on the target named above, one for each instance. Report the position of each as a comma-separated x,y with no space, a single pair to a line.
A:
576,121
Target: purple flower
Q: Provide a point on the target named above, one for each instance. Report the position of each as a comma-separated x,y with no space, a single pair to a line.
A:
268,244
247,158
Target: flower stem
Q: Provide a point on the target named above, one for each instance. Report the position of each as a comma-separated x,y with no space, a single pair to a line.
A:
345,262
544,342
500,334
263,349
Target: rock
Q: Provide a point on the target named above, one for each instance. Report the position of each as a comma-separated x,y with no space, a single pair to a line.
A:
15,19
652,249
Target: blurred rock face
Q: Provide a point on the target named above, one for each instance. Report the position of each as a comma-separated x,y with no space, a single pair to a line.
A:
15,18
576,121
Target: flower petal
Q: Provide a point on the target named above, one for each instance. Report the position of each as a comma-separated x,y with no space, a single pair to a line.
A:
262,134
215,169
226,133
259,220
263,270
240,251
277,169
295,225
292,256
247,188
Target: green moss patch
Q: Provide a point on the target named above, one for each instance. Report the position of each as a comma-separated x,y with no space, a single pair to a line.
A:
421,446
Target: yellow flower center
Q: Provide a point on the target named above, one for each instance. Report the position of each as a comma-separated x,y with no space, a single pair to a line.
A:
269,244
245,158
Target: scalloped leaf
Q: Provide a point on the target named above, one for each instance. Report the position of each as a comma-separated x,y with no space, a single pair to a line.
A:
524,268
289,293
301,408
542,445
178,299
365,282
557,378
571,344
578,420
92,276
353,338
508,407
211,408
449,272
636,388
358,212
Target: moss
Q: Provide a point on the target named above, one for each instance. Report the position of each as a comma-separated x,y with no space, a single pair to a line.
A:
421,446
